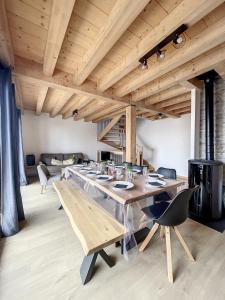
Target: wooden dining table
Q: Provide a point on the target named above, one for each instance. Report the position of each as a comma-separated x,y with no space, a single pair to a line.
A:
140,190
125,205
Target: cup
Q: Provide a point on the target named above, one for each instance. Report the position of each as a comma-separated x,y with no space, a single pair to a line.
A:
145,171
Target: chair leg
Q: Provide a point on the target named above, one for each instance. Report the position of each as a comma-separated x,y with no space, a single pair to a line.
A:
162,230
169,254
149,237
180,238
42,189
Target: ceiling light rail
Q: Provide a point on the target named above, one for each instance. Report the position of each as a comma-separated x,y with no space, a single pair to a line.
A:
176,37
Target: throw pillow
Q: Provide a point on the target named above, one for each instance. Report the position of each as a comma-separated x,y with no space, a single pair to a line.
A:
56,162
68,162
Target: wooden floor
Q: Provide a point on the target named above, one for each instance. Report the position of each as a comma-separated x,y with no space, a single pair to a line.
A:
43,260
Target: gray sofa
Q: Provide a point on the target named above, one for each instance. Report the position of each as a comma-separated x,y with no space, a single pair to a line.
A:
46,159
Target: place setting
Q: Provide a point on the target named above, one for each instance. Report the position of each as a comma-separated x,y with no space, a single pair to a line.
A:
122,185
155,180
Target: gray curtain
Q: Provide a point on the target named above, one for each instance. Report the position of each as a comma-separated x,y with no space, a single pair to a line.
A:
10,157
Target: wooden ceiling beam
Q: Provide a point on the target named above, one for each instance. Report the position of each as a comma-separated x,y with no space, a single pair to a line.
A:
147,115
174,107
111,110
151,108
71,104
60,103
41,99
204,41
6,49
192,84
165,95
187,12
199,65
183,110
82,102
90,109
103,113
32,72
59,20
172,101
220,69
118,112
122,15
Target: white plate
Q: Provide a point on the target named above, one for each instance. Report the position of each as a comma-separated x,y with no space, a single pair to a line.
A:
152,180
93,173
129,185
136,171
106,177
119,167
78,166
155,175
84,169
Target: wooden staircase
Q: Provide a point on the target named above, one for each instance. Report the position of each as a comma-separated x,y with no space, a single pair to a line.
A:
112,132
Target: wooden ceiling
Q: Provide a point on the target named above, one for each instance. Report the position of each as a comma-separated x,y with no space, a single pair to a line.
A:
83,54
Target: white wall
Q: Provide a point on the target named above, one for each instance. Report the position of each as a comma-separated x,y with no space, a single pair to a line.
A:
42,134
166,142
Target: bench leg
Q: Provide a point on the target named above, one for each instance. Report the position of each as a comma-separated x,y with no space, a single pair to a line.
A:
107,258
117,244
88,264
87,267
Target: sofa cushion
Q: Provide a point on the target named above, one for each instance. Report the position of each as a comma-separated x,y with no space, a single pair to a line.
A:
56,162
46,158
68,162
78,157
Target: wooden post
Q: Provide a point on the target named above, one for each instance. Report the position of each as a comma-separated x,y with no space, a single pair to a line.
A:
131,134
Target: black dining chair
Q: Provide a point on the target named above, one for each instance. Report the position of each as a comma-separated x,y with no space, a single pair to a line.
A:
174,214
168,173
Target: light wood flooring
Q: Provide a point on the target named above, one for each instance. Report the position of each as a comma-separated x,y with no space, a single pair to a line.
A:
42,262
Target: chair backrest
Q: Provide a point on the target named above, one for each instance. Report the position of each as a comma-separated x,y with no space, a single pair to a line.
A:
177,211
169,173
43,174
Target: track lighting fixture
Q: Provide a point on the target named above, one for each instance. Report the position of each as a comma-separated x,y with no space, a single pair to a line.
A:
161,116
178,39
144,64
161,54
75,113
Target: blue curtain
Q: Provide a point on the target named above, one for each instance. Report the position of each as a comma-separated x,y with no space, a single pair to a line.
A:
22,174
10,157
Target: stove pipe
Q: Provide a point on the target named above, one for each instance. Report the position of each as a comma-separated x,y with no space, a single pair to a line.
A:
209,116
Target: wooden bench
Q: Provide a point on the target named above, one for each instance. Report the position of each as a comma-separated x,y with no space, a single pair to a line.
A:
94,227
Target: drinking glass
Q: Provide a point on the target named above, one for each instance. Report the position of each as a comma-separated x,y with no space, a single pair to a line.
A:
118,173
130,175
145,171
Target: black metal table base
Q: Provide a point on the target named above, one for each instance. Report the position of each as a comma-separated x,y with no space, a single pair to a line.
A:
88,264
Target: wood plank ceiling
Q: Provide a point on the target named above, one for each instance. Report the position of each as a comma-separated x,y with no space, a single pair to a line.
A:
83,55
